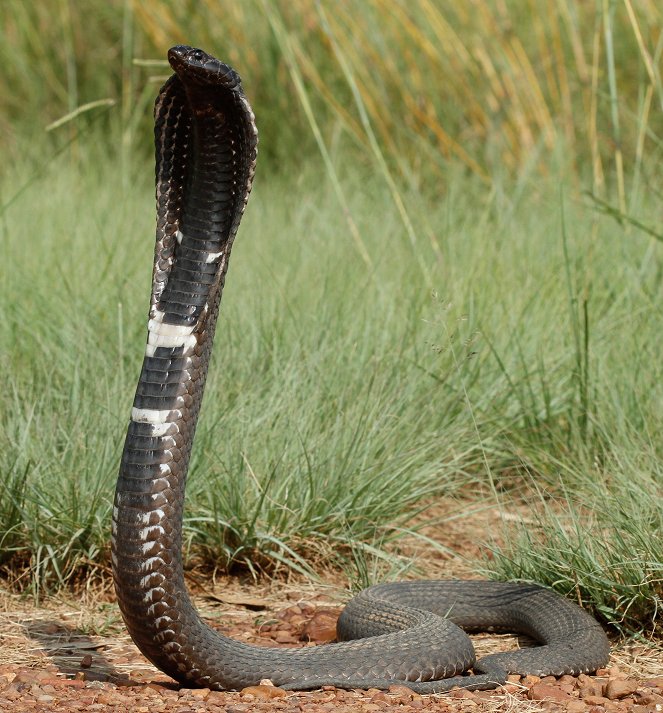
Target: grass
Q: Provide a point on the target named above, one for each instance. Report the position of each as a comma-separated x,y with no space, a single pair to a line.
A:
459,295
344,399
494,86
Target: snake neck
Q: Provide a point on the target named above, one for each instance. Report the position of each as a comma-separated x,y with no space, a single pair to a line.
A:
205,146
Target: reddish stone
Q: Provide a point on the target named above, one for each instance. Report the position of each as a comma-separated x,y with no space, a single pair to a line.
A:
544,691
596,700
63,682
264,693
620,689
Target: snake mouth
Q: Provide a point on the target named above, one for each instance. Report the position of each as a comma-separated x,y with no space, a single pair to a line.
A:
197,66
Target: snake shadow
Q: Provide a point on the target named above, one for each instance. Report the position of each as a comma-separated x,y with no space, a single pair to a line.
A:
75,652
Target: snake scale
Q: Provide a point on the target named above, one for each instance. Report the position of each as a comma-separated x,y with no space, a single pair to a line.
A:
206,147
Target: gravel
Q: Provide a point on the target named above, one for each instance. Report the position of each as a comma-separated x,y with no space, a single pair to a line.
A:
51,664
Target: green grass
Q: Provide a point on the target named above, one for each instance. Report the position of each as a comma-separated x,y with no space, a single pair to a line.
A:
515,340
448,281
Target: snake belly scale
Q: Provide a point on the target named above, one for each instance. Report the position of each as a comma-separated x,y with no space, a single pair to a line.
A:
206,147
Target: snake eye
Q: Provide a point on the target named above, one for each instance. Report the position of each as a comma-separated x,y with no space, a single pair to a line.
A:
198,55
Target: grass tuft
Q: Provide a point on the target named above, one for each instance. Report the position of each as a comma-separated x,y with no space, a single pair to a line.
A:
421,301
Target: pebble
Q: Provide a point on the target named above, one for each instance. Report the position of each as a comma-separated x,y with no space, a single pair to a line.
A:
651,699
596,700
321,627
462,693
591,688
115,683
380,697
530,680
544,691
263,692
620,689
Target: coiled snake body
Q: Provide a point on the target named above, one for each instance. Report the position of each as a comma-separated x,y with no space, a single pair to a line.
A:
206,143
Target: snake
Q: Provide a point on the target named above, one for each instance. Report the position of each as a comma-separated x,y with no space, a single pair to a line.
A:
410,632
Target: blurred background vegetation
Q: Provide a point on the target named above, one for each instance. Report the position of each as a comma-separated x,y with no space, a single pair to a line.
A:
492,85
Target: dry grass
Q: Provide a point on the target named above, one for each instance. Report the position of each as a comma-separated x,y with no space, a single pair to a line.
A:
493,85
484,83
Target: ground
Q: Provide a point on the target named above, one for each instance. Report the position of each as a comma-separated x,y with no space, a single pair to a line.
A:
71,654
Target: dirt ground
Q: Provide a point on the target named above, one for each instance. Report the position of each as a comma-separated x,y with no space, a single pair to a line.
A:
71,654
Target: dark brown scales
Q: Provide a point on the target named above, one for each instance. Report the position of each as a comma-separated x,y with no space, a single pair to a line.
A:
206,143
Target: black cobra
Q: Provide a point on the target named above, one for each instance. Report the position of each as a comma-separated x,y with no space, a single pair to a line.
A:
206,142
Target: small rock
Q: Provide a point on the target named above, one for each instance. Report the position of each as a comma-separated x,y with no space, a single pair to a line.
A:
154,687
484,696
321,628
462,693
263,693
112,698
86,661
544,691
201,694
63,682
513,678
650,699
592,687
617,689
290,611
596,701
400,689
217,698
380,696
530,680
283,636
27,675
576,707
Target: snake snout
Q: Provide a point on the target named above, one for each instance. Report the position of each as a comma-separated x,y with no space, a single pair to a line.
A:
196,66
